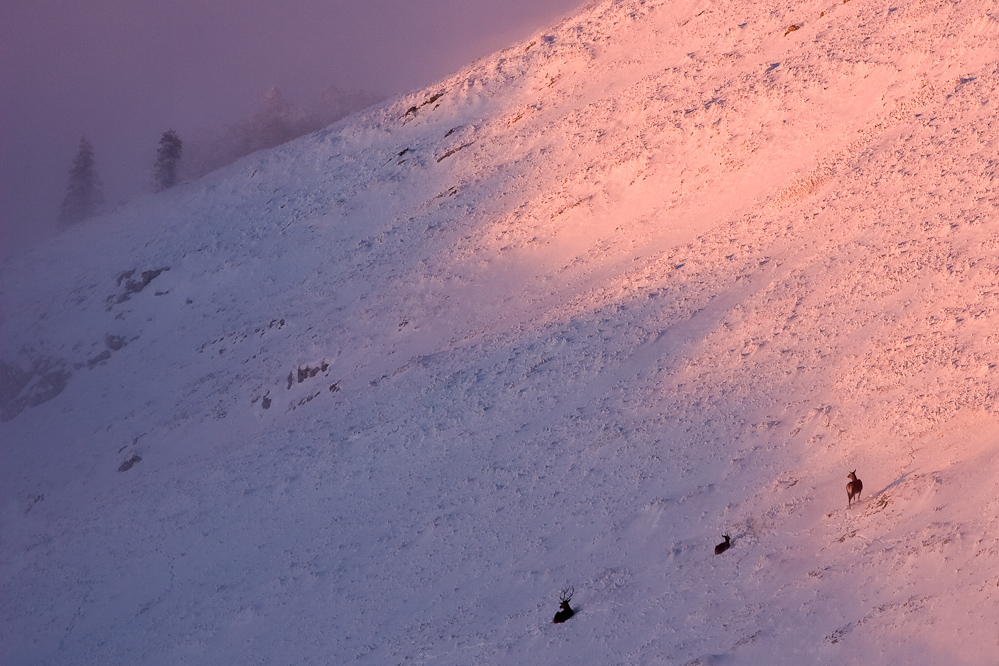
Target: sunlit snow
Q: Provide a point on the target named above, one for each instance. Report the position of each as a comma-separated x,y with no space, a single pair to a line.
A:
665,271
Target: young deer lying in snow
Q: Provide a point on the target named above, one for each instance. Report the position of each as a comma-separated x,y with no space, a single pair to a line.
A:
723,546
853,488
566,612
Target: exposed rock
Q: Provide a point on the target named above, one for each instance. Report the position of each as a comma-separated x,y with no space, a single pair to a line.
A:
21,389
114,342
128,464
133,286
103,357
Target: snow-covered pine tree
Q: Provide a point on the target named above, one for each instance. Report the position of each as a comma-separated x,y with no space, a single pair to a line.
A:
83,194
167,160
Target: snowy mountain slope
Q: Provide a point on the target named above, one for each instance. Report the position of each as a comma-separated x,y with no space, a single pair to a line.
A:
660,272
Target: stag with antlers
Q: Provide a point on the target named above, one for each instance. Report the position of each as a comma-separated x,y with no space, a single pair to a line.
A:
566,612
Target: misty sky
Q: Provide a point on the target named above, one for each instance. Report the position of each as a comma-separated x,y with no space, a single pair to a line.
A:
122,72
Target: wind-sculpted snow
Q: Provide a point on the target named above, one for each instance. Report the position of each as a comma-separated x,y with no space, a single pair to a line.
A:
662,272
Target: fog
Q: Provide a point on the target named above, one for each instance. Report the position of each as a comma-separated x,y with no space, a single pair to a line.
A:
121,72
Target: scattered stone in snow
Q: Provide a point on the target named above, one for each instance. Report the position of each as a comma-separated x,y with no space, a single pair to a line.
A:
453,151
19,390
433,99
114,342
132,286
128,464
309,373
103,357
32,501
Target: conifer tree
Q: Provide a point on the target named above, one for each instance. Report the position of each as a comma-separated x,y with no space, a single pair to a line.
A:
167,160
83,194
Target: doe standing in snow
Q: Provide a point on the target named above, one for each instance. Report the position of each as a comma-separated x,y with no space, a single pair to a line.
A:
566,612
853,488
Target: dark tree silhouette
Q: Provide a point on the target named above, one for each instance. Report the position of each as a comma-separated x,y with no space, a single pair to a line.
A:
167,160
83,194
275,123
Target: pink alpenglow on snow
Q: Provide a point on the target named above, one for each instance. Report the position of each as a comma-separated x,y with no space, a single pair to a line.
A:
650,270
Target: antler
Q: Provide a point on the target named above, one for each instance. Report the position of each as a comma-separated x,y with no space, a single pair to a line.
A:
566,595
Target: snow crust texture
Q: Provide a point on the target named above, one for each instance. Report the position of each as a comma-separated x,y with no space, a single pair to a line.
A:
664,271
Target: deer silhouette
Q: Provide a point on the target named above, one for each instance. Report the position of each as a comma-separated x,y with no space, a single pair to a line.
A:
853,488
566,612
723,546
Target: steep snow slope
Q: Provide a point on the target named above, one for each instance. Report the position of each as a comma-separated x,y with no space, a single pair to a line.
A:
663,271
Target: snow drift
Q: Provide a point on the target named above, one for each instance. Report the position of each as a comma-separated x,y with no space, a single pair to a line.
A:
664,271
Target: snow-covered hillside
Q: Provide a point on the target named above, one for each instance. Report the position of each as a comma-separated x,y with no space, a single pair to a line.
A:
667,270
